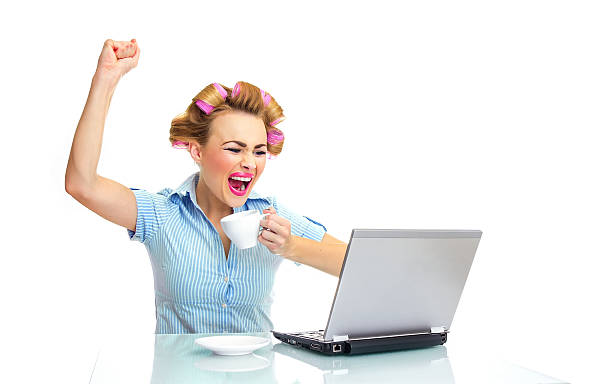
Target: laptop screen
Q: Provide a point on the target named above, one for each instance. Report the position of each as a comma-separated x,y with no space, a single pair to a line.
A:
400,281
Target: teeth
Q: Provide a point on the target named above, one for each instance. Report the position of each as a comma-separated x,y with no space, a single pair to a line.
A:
247,179
242,187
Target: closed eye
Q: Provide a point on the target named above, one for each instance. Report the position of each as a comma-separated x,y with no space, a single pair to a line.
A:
236,150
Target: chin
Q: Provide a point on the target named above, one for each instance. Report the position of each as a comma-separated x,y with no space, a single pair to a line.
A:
236,201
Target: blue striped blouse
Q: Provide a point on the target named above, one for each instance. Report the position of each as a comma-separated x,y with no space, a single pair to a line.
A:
196,289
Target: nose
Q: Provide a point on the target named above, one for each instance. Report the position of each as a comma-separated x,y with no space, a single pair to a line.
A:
248,161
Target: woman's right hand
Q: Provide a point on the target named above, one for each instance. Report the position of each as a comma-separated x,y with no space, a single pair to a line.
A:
118,58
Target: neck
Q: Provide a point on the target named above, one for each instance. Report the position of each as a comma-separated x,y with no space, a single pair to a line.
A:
214,208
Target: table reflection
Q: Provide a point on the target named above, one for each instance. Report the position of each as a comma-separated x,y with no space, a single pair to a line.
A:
245,363
178,359
425,366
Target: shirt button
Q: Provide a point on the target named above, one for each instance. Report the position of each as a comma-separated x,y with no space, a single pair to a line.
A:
224,305
226,279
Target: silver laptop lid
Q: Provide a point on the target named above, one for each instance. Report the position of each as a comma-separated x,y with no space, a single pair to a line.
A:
398,281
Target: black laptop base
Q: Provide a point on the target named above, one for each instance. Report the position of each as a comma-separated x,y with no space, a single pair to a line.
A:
365,345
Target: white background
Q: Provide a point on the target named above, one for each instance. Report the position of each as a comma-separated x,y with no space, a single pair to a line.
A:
472,115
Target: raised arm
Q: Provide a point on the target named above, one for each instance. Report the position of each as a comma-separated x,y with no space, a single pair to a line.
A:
103,196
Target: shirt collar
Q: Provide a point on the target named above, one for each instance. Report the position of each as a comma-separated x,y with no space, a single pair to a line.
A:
188,186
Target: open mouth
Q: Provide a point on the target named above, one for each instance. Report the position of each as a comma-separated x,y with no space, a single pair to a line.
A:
239,185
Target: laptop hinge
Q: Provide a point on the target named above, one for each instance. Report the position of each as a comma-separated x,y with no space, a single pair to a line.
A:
438,330
340,338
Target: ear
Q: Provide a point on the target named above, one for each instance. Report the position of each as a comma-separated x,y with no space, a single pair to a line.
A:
195,150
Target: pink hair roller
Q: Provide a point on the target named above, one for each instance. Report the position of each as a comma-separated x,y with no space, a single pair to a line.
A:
204,106
266,97
236,90
222,91
277,121
275,136
180,144
207,108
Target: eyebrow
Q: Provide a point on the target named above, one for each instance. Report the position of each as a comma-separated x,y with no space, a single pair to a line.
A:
240,143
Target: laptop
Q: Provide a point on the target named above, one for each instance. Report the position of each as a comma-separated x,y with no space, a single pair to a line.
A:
398,289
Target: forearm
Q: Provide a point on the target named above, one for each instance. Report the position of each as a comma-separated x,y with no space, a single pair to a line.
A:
324,256
87,143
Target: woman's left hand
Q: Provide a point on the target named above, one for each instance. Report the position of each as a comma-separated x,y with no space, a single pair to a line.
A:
276,235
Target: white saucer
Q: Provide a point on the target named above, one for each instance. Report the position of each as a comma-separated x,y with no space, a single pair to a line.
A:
232,345
244,363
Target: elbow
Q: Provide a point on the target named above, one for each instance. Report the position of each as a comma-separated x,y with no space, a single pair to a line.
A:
69,185
71,188
78,192
74,188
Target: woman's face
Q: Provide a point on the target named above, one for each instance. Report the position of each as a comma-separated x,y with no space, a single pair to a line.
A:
236,148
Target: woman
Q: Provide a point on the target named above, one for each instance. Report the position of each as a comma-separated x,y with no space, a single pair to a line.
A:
202,283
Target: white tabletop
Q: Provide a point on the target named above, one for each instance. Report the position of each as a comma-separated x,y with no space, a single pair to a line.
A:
177,359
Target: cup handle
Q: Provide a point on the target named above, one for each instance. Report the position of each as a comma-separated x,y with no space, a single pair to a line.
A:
261,217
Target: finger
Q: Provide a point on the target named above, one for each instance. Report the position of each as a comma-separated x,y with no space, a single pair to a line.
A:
115,45
136,55
125,49
110,48
137,48
265,241
110,43
271,236
267,221
131,49
275,227
272,247
131,62
283,222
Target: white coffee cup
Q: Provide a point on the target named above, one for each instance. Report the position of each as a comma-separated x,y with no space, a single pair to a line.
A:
242,228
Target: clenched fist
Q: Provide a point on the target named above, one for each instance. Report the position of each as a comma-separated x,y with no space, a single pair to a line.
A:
118,58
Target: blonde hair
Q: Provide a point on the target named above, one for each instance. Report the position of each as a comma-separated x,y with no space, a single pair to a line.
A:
194,124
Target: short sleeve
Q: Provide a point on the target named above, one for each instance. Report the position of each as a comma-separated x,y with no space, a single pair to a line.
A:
152,213
301,226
